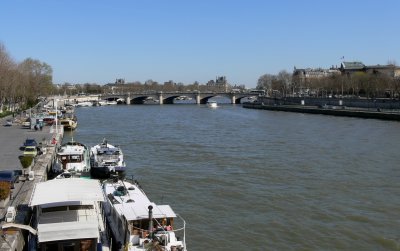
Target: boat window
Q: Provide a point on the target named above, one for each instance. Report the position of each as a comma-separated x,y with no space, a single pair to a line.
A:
75,158
54,209
50,246
86,244
66,208
80,207
68,246
121,191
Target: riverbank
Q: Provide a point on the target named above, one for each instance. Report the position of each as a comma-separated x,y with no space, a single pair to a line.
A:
328,110
12,138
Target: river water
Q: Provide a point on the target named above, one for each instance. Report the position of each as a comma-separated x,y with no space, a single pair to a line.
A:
248,179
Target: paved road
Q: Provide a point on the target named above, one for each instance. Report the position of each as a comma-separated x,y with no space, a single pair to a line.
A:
12,138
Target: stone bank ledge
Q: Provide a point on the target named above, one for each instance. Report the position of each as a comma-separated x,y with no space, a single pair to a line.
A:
337,111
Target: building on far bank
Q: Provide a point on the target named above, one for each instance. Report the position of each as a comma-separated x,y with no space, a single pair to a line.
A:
302,75
220,84
390,70
302,78
348,68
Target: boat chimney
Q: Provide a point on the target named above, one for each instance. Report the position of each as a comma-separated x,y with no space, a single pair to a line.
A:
150,220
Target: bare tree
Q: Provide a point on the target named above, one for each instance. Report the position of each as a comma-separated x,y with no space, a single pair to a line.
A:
265,82
285,79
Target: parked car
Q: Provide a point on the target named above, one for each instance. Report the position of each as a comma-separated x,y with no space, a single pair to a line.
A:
26,123
30,142
31,175
9,176
11,213
30,151
8,122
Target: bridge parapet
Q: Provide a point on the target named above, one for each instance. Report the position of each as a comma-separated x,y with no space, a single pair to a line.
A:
168,97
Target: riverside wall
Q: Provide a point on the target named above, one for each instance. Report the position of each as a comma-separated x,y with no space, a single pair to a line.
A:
381,103
329,110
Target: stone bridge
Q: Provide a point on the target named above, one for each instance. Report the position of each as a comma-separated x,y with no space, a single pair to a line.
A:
168,97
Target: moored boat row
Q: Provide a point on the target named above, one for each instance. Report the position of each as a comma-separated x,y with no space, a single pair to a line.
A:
100,161
77,216
77,211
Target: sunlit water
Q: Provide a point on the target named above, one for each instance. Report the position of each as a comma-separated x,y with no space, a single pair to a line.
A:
259,180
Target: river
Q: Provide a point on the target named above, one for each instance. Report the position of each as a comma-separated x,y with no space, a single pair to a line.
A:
248,179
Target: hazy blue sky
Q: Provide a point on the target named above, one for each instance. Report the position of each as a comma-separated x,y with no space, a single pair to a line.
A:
98,41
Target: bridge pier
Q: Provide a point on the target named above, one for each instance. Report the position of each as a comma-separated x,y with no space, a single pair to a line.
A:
128,99
233,99
198,99
160,98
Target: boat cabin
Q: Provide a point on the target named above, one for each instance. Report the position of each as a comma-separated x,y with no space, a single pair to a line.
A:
68,215
138,221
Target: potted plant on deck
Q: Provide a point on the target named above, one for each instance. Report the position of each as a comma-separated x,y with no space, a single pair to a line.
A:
5,191
26,162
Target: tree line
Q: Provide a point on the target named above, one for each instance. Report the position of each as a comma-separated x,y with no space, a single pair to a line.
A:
358,84
22,83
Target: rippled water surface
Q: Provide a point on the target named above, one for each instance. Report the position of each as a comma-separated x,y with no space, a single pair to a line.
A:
259,180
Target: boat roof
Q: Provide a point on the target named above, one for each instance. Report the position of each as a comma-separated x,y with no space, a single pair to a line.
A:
68,230
71,149
137,208
71,190
139,211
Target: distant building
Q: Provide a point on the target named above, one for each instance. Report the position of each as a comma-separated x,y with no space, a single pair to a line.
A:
303,75
351,67
348,68
220,84
391,71
119,81
170,83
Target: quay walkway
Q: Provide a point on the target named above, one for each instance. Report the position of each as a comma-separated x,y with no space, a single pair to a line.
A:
329,110
12,138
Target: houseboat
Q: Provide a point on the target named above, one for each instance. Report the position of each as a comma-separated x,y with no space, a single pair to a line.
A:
136,223
106,159
74,158
68,216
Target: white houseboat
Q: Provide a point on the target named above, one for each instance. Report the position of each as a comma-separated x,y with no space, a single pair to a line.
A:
106,159
68,215
136,223
74,158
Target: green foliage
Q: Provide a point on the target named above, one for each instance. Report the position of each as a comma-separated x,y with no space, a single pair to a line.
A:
26,161
5,114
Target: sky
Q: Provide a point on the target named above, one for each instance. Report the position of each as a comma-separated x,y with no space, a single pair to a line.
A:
98,41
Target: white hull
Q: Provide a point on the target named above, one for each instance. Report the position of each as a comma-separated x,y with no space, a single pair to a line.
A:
212,104
127,210
106,102
74,158
106,159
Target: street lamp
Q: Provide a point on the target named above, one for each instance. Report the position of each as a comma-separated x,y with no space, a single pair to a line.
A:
56,104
